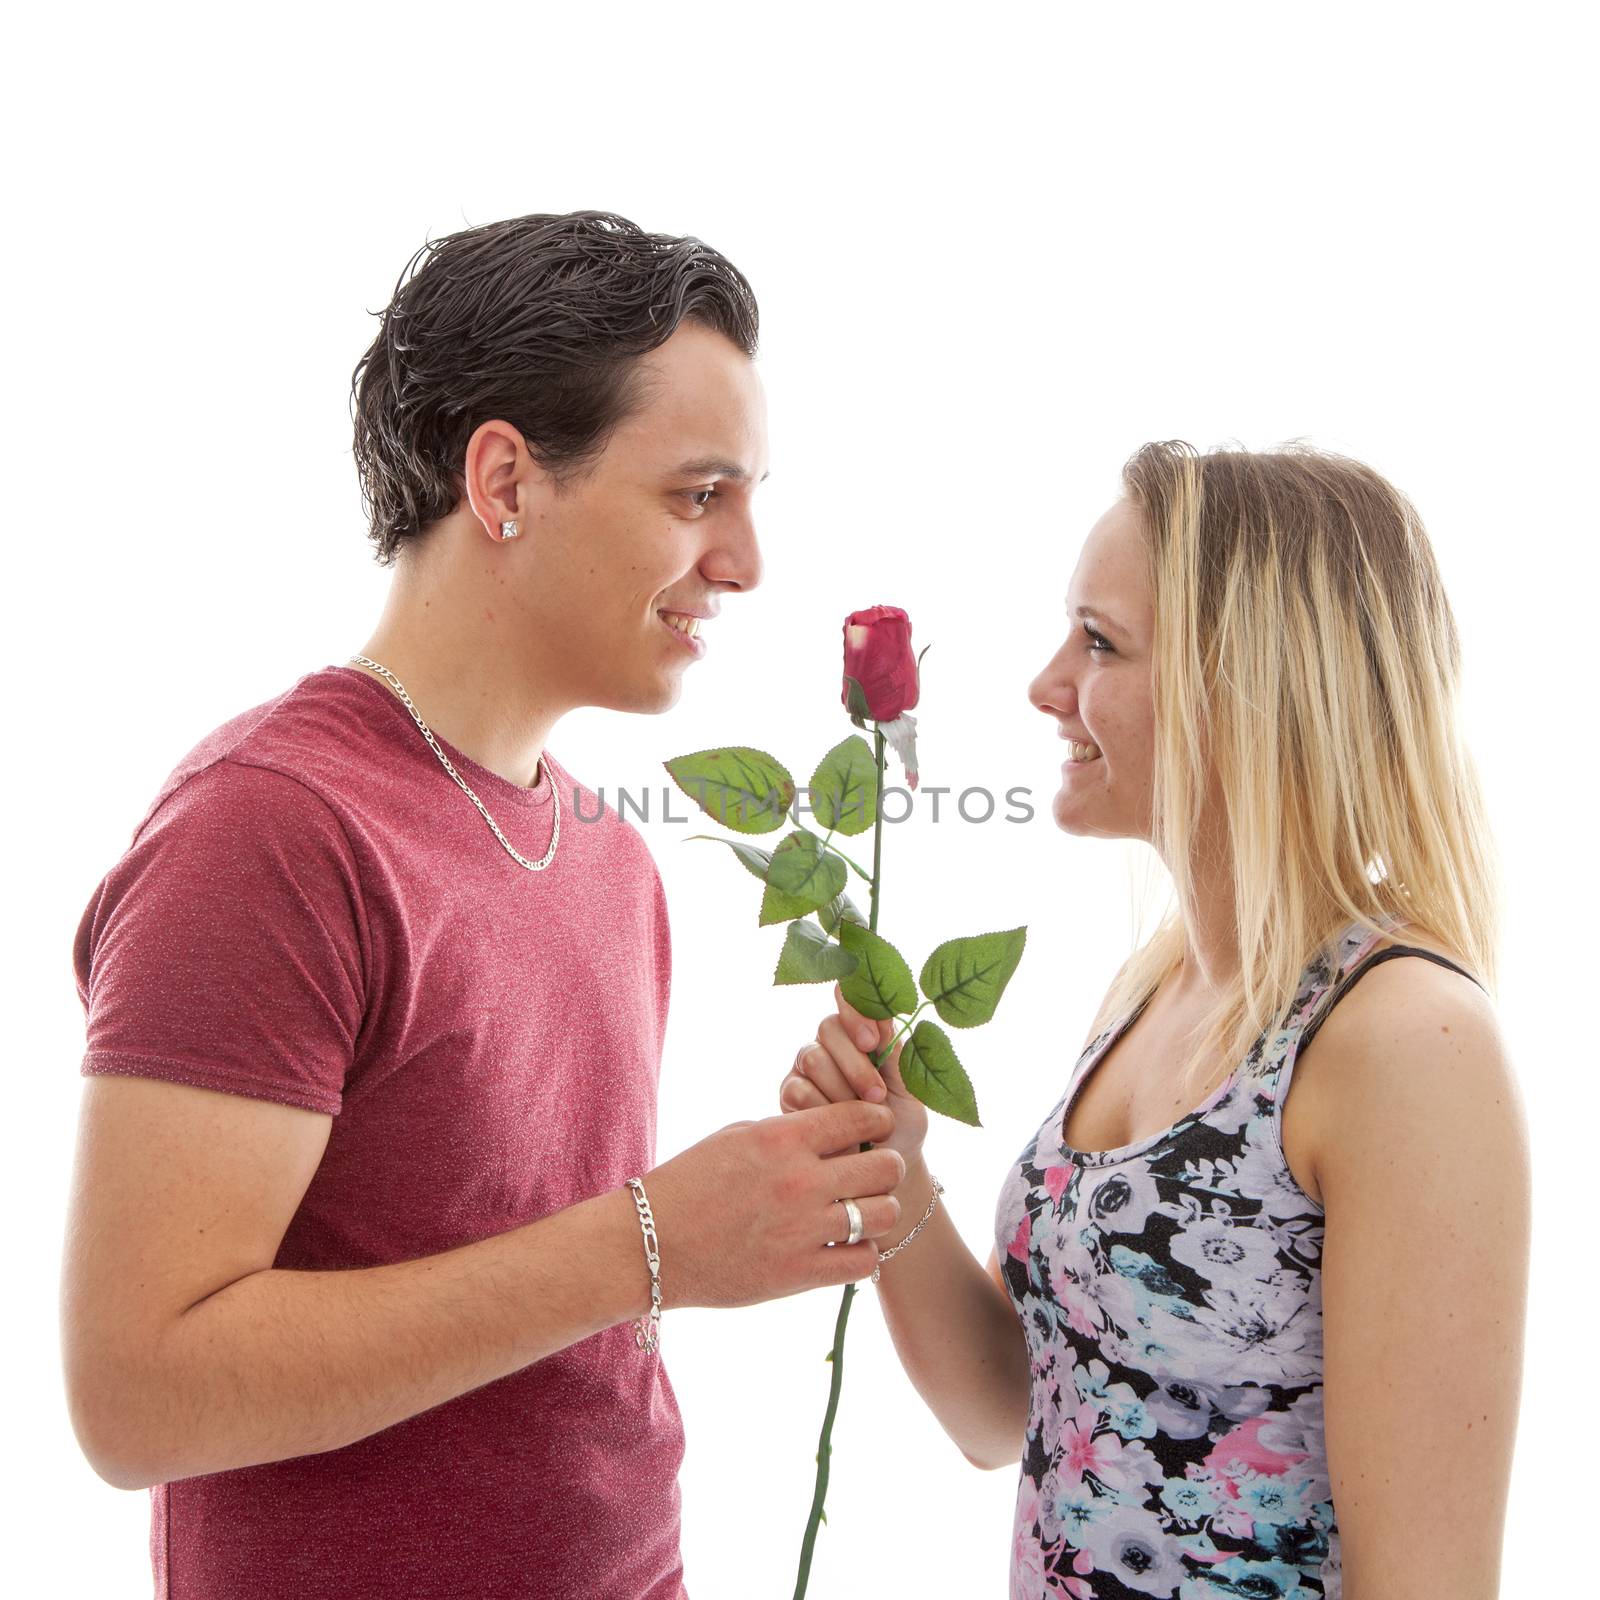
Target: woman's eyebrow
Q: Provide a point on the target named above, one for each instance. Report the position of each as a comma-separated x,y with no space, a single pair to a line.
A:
1102,618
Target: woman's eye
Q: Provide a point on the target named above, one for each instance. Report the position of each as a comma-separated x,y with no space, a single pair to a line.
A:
1101,645
702,497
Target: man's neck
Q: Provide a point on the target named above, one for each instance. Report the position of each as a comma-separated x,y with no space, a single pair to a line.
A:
482,671
459,714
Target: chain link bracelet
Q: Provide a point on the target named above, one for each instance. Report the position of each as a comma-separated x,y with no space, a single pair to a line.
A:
894,1250
648,1338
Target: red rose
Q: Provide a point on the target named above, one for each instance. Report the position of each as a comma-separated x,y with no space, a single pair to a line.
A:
877,654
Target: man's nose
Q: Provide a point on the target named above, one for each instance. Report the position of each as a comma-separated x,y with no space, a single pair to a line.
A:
739,557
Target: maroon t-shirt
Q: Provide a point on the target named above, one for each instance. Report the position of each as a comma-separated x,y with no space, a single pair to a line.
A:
313,912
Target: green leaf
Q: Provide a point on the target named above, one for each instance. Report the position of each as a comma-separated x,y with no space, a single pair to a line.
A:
743,789
844,788
856,700
930,1070
776,906
964,978
839,909
881,986
810,956
800,866
755,859
800,877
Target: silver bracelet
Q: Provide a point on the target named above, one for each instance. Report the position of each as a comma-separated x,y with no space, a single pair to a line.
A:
647,1338
894,1250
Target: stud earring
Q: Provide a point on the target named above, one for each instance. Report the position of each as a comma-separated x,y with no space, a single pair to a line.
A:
508,530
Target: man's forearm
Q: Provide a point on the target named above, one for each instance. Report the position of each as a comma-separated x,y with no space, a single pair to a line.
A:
290,1363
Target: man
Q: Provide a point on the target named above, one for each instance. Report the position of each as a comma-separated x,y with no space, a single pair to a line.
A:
356,1281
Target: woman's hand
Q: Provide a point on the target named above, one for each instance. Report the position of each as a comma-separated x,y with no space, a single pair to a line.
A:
836,1066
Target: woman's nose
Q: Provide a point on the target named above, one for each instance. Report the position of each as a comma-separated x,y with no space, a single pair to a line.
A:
1050,687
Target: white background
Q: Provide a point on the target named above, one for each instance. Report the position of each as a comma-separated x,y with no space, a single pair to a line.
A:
994,253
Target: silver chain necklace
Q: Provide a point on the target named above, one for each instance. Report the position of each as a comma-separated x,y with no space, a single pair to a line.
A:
543,766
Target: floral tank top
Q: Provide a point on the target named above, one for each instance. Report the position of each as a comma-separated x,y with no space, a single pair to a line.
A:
1170,1292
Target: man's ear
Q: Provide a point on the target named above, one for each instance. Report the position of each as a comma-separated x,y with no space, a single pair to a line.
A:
502,480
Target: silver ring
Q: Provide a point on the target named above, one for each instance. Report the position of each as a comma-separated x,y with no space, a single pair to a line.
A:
853,1212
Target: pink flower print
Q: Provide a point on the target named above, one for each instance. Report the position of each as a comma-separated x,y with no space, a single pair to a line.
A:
1080,1449
1073,1299
1082,1563
1056,1180
1235,1522
1027,1503
1027,1570
1242,1451
1079,1319
1116,1464
1018,1248
1212,1557
1030,1560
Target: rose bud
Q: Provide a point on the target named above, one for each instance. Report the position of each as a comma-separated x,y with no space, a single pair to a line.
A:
877,655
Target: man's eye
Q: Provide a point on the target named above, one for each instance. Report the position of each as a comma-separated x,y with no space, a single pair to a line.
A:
702,497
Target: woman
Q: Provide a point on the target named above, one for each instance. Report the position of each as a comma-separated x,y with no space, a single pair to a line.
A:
1243,1343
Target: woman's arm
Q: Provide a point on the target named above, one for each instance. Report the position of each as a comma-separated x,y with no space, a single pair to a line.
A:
953,1324
1421,1156
956,1331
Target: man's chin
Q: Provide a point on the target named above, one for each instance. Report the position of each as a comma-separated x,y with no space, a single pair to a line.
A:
647,699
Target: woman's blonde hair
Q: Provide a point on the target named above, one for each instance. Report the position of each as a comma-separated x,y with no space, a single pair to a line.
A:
1304,644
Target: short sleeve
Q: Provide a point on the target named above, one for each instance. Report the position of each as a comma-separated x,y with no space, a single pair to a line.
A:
225,948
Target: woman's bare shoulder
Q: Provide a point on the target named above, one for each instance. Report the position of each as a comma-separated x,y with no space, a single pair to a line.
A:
1412,1042
1387,989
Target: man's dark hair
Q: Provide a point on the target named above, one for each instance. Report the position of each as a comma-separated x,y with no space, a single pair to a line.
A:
538,321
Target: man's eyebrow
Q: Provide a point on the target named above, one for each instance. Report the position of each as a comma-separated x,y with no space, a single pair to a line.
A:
1095,612
717,467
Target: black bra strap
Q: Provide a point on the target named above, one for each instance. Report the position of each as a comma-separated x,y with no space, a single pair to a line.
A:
1352,978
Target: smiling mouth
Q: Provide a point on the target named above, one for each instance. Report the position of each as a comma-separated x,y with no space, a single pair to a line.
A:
689,626
686,630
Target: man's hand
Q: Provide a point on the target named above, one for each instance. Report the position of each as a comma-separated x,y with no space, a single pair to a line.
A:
748,1214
